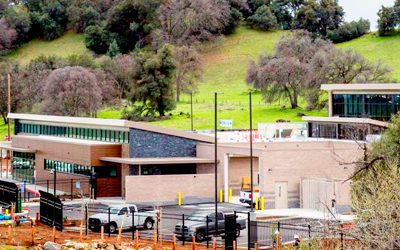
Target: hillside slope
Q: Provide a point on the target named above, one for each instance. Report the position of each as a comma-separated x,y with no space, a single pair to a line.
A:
70,43
374,47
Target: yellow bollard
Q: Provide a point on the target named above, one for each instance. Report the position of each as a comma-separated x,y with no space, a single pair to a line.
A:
221,198
230,195
256,202
262,203
179,198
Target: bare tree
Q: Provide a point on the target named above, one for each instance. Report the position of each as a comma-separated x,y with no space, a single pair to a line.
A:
71,91
184,22
188,70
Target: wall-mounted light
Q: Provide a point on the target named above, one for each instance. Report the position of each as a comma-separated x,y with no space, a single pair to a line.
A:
269,170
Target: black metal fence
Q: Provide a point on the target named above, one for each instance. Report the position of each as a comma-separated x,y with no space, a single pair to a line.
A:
51,210
9,194
174,222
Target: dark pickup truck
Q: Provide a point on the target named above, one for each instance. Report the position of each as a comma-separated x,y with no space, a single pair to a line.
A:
196,225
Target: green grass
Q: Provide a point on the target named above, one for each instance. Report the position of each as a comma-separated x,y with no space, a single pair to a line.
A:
70,43
374,47
224,71
4,130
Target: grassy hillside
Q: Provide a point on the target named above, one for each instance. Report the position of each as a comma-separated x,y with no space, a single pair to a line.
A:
70,43
4,130
225,71
375,47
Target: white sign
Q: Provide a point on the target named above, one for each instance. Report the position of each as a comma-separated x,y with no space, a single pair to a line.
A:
78,185
226,123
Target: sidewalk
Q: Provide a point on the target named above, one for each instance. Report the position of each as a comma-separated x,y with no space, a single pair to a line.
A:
303,213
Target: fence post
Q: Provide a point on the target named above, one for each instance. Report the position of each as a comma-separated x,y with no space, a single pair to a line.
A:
47,186
341,240
248,232
86,219
309,237
158,225
24,191
207,231
109,221
183,230
133,225
279,226
72,183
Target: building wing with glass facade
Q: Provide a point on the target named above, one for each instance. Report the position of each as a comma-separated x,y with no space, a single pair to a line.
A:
356,107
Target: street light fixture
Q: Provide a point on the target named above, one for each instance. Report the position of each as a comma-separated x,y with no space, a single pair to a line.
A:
216,159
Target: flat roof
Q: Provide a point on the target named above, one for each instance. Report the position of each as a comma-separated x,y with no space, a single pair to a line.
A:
116,123
65,140
363,87
151,161
8,146
344,120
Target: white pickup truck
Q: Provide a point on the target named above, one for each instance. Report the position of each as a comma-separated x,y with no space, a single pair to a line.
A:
142,218
245,196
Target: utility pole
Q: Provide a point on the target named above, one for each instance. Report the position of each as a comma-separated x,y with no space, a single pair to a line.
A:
191,111
9,106
216,161
251,154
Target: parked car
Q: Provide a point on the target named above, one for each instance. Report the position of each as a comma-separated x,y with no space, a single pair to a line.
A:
196,225
143,218
245,197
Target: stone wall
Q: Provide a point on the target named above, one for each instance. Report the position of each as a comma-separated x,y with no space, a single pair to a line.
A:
146,144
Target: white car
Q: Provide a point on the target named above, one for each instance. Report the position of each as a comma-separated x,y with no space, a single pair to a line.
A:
142,218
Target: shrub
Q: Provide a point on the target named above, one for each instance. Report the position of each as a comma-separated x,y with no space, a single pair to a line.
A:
349,31
263,18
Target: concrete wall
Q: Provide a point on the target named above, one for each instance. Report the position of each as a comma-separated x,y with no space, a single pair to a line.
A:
318,193
163,189
289,162
150,144
240,167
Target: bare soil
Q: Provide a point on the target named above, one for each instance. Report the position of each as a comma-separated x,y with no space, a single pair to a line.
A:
21,236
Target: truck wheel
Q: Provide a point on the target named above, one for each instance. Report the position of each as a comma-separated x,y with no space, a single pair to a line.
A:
237,231
200,235
112,227
148,224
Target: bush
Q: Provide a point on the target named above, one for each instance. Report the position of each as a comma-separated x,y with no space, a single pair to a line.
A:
263,18
349,31
97,39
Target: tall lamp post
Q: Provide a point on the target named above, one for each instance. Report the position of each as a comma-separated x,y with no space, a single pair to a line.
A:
191,111
216,159
251,153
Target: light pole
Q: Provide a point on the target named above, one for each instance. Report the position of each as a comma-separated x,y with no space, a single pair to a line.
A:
216,160
251,153
191,111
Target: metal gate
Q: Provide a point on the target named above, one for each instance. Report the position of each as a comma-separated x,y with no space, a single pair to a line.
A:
9,193
230,230
51,210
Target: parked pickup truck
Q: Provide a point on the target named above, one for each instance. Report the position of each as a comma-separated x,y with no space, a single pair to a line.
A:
196,225
142,218
245,196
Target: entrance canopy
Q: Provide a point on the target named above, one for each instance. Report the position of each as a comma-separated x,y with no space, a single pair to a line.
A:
9,146
152,161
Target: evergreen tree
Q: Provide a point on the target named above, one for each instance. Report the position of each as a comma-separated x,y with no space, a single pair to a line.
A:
113,50
153,88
